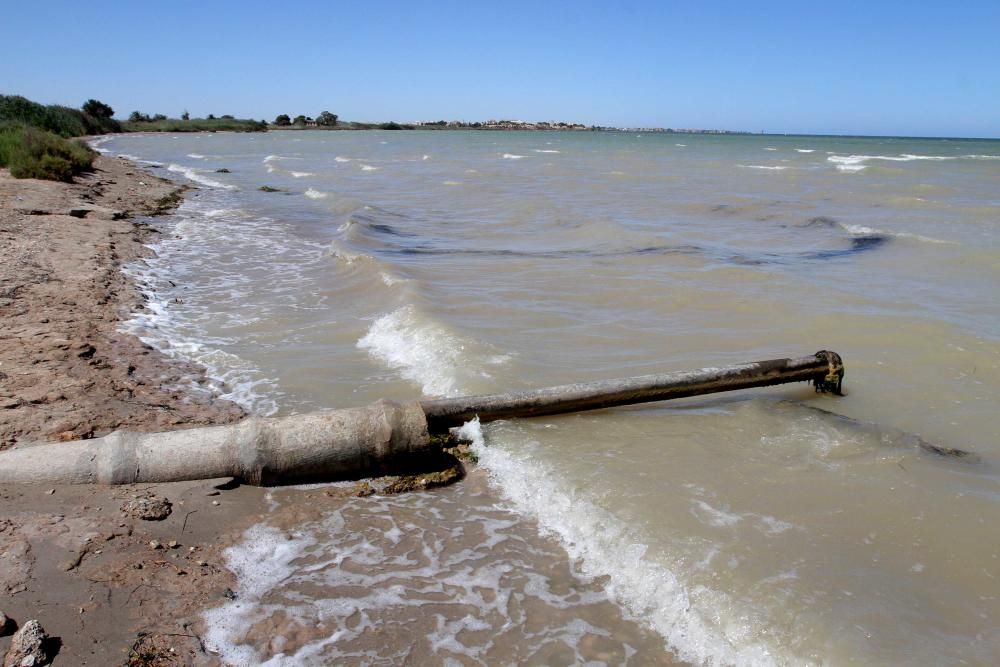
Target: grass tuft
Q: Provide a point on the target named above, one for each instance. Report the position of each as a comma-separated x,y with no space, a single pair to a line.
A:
33,153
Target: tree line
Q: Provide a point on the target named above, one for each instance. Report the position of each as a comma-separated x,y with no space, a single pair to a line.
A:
325,119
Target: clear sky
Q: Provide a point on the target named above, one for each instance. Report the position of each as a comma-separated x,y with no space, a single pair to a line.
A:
842,67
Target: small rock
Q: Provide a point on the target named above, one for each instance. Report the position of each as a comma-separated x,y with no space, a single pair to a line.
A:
50,491
173,544
148,508
153,544
201,563
4,624
27,647
215,502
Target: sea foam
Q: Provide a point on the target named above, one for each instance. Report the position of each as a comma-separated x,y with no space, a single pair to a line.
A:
604,546
427,353
198,177
763,166
861,230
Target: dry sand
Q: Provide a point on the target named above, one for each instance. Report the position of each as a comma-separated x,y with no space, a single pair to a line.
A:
70,557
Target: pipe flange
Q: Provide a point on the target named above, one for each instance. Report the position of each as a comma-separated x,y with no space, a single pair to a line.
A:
833,380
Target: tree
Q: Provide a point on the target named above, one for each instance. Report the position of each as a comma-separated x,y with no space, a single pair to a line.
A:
283,120
97,109
138,117
159,116
299,120
211,116
185,115
326,119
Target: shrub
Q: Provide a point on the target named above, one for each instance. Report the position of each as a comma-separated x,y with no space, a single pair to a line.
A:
195,125
64,121
282,120
33,153
97,109
326,119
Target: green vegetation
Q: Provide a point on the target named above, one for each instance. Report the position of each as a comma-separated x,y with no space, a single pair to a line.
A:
140,122
30,152
282,120
326,119
64,121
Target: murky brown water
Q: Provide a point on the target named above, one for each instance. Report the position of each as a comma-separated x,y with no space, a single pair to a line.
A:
748,528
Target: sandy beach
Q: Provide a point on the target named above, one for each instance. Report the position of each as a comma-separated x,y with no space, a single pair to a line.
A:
104,583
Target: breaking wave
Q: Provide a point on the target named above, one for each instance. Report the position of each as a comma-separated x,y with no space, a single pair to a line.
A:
194,175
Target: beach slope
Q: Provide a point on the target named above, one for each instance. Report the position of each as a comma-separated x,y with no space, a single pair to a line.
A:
102,580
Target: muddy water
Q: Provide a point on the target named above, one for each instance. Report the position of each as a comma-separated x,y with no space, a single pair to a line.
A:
754,528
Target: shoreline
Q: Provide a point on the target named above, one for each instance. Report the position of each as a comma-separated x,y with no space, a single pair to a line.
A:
103,582
107,584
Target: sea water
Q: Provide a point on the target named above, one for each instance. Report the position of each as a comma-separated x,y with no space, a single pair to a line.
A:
772,526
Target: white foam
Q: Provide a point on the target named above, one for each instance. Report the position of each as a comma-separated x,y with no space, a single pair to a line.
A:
387,564
274,158
471,431
196,156
316,194
345,255
341,159
511,156
190,315
368,167
541,150
770,149
426,157
301,174
194,175
855,163
805,150
389,280
604,546
426,352
713,516
861,230
681,145
96,144
763,166
262,560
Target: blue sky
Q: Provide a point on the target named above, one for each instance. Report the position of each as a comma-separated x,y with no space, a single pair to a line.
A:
913,68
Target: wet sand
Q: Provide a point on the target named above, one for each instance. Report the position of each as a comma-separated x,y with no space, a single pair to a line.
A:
71,557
